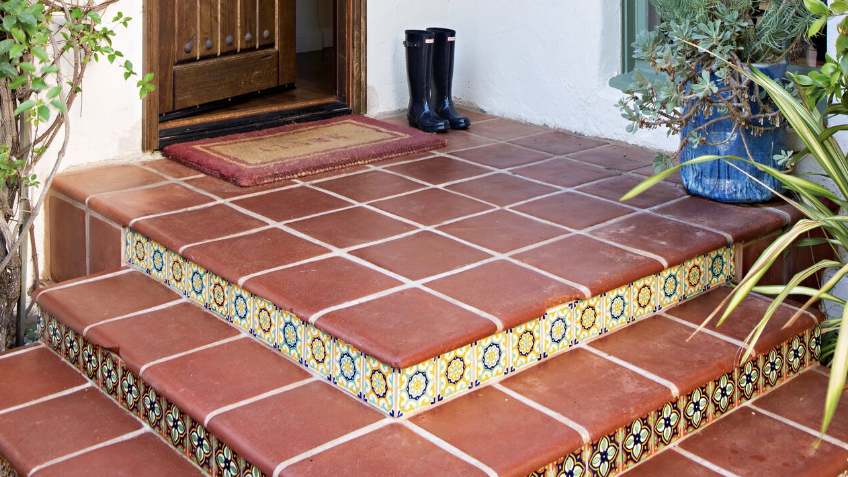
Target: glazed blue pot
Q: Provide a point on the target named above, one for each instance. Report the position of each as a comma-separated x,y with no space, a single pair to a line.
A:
719,180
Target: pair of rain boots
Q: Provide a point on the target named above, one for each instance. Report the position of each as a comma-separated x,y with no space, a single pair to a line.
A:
429,67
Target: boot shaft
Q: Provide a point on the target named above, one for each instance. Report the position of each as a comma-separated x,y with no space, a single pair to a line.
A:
444,51
419,69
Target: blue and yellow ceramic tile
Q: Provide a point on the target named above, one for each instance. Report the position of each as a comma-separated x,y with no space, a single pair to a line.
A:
748,378
71,347
696,409
318,351
543,472
588,318
417,387
110,374
347,367
773,367
525,344
456,371
250,470
290,335
241,308
617,308
90,360
557,328
137,249
55,335
227,462
197,283
636,441
40,324
218,298
694,276
177,277
667,424
603,456
814,344
200,448
670,287
570,465
718,267
796,355
723,395
264,320
157,263
643,296
152,409
379,385
491,357
132,390
175,426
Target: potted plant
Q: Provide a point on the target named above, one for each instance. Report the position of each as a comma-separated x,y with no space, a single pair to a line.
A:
712,104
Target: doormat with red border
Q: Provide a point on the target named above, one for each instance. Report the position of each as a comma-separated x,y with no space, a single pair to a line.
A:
299,150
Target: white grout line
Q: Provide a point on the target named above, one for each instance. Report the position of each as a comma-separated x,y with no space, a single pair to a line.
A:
49,397
95,447
584,433
164,182
450,449
191,351
254,399
18,352
800,427
225,237
647,374
329,445
704,462
87,280
135,313
707,331
206,205
820,371
787,218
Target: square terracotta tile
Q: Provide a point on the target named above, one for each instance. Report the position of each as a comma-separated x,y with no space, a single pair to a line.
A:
369,186
676,242
83,184
504,129
104,245
564,172
589,262
123,207
316,413
502,155
170,168
309,288
438,170
35,374
460,140
66,244
649,171
290,204
421,255
671,463
486,424
699,358
200,382
750,443
502,231
501,189
351,227
406,328
431,206
228,190
742,223
508,291
177,230
237,257
614,188
616,157
475,116
420,456
572,210
558,143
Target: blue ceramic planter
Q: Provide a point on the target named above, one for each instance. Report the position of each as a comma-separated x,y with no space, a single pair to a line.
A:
721,181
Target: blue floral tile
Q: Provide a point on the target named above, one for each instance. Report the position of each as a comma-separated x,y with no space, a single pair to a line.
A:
491,357
110,374
241,308
557,330
525,343
417,387
723,395
129,241
218,298
250,470
152,409
694,276
588,318
667,425
748,378
318,351
90,361
617,308
178,275
227,462
796,355
643,295
264,321
175,426
456,371
636,441
670,287
571,465
157,264
814,344
696,409
132,390
290,332
200,448
379,385
40,324
773,367
137,251
198,283
71,347
348,363
720,265
55,335
603,457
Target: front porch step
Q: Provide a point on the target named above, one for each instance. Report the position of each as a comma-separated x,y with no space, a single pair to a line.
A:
53,423
223,399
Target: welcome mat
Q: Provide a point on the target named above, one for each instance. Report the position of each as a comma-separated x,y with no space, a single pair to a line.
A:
299,150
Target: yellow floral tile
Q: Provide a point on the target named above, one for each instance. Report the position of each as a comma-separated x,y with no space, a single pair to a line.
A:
558,329
525,344
218,298
318,351
670,286
588,318
241,308
197,285
290,335
348,362
177,276
456,371
157,263
491,357
643,295
719,267
417,387
617,307
378,385
137,252
265,320
694,276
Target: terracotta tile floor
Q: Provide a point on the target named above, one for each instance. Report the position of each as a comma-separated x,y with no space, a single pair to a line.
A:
541,202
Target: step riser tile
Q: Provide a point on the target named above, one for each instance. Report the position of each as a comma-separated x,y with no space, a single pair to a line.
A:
394,391
6,469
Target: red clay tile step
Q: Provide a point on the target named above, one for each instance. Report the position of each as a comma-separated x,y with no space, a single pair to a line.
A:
223,399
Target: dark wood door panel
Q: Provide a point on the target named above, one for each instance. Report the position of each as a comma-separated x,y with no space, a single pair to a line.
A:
185,30
207,38
247,24
265,23
225,77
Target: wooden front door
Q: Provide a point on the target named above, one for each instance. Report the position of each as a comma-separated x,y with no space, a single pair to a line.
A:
217,49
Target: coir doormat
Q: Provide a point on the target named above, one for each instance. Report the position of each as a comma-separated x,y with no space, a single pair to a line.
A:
299,150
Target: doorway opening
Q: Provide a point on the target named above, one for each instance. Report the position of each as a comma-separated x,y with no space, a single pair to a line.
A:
230,66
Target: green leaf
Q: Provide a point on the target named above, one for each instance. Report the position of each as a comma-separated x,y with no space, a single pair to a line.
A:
839,7
26,66
44,112
25,106
816,7
59,105
816,27
54,91
6,45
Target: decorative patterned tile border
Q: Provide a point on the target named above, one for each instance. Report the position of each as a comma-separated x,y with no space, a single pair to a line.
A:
400,391
6,469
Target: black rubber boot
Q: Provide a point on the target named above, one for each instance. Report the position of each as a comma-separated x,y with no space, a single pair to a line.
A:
442,96
419,65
